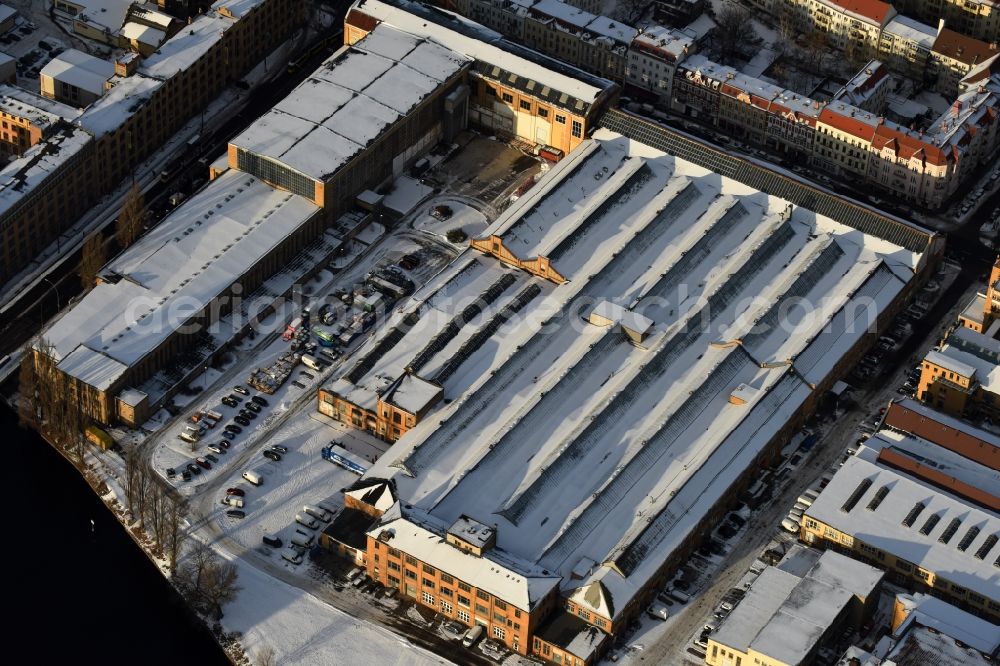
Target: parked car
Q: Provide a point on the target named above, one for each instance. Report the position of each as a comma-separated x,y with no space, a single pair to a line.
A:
247,414
492,649
232,500
790,525
271,540
193,469
234,428
242,421
236,513
229,402
279,448
171,472
186,475
453,629
229,435
223,443
306,521
292,556
253,407
239,492
727,531
235,397
298,384
658,611
240,389
215,448
259,400
273,455
211,458
737,519
472,635
203,463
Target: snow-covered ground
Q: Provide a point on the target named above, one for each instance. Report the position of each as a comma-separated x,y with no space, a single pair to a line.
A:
301,477
463,217
301,629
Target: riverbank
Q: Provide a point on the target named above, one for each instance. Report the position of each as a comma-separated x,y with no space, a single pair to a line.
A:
109,597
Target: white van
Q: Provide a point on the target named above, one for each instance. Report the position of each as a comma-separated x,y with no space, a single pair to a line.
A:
790,525
302,541
310,361
232,500
679,597
472,635
253,477
291,556
306,521
807,498
317,512
796,514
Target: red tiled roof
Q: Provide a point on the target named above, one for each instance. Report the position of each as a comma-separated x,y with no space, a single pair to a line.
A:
953,439
873,9
847,124
907,146
964,49
939,479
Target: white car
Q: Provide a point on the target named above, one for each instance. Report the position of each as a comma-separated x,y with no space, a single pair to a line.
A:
790,525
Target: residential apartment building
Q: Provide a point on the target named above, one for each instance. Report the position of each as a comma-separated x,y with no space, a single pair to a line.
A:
28,118
922,166
594,43
653,58
868,89
963,375
954,56
834,595
906,44
929,533
850,24
976,18
504,16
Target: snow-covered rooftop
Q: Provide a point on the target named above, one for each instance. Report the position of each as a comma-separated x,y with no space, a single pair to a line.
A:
110,112
486,46
186,47
918,539
584,21
236,8
663,40
23,174
412,394
912,30
937,457
355,96
143,33
80,69
784,615
172,273
929,611
964,361
519,583
922,643
579,445
107,13
41,111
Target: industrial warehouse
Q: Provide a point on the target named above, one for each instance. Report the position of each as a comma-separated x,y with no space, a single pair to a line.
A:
370,110
616,359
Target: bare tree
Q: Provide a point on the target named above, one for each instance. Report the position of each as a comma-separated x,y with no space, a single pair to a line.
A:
27,404
630,11
133,463
92,259
219,586
174,536
131,218
733,30
266,656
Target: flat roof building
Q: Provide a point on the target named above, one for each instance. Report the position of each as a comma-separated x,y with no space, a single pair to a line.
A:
75,78
925,536
786,618
356,99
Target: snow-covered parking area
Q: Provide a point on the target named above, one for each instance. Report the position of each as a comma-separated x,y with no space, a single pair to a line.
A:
301,477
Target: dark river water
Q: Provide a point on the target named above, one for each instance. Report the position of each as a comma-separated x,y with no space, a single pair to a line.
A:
77,594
